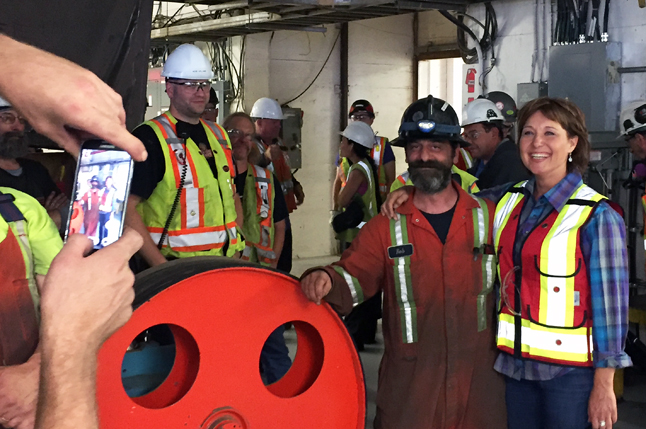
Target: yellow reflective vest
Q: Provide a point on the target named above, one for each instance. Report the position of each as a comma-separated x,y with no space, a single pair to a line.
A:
368,200
258,209
377,154
205,217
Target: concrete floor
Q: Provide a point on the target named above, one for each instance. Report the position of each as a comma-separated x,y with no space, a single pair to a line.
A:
631,408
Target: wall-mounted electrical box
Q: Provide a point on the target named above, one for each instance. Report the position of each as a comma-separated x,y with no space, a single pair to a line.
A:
587,74
526,92
291,135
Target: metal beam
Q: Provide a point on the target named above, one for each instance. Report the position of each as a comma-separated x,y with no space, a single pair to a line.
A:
215,24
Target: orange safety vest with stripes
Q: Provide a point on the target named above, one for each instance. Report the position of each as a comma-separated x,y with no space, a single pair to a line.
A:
377,154
258,209
545,311
205,218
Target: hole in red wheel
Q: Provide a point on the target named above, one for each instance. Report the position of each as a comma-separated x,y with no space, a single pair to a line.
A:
288,379
160,366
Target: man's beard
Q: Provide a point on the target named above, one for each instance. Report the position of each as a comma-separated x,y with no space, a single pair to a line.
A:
430,177
13,144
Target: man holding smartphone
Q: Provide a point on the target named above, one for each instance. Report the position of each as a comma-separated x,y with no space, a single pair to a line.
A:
182,197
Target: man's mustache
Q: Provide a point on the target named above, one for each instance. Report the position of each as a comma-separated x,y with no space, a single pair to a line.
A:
10,136
427,164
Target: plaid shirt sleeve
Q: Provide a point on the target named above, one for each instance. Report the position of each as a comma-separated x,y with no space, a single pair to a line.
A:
604,246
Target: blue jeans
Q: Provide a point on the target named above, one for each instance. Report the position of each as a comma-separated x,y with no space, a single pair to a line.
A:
560,403
274,357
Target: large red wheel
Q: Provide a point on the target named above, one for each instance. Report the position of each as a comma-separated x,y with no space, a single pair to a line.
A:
220,313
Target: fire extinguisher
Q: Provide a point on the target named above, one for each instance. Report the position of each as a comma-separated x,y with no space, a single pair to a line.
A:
471,80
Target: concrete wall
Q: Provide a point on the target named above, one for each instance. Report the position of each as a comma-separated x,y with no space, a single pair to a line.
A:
282,64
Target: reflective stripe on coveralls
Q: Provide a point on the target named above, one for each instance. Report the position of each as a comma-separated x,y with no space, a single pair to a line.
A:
353,284
258,208
403,283
201,222
552,268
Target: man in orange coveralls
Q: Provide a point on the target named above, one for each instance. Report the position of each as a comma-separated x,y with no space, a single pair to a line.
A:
436,267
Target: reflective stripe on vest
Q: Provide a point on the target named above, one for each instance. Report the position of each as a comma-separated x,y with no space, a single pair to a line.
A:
403,282
371,190
554,317
353,284
377,154
466,156
481,238
188,231
258,208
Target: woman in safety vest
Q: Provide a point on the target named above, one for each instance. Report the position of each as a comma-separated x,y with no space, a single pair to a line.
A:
563,271
359,196
564,280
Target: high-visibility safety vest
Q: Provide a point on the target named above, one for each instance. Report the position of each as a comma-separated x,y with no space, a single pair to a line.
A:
466,180
258,209
18,290
280,166
545,309
482,238
205,219
377,154
465,159
368,200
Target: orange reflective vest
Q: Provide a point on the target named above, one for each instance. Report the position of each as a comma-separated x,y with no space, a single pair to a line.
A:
284,174
205,218
545,308
258,209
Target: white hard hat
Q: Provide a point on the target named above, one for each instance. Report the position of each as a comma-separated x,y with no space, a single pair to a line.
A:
187,62
481,110
633,118
266,108
361,133
4,104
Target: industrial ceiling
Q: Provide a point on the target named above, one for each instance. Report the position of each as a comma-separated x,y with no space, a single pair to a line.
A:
212,20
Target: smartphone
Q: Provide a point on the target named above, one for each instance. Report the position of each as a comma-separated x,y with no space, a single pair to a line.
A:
101,189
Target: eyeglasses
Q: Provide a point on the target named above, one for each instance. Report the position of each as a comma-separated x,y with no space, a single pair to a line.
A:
196,86
238,134
359,117
210,109
10,119
473,135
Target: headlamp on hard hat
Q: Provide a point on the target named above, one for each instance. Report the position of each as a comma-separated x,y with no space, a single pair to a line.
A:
426,126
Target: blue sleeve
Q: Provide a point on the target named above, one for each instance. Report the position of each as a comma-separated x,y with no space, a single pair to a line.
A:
389,155
603,242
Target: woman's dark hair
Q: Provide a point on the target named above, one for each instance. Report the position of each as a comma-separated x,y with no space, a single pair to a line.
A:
363,152
570,117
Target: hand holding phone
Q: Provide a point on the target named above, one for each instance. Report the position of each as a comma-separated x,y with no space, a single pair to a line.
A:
101,188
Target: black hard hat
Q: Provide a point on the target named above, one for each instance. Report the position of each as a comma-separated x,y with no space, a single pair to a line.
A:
505,104
429,118
362,106
95,179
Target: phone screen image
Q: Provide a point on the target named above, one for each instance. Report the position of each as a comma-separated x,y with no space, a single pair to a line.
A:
100,193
